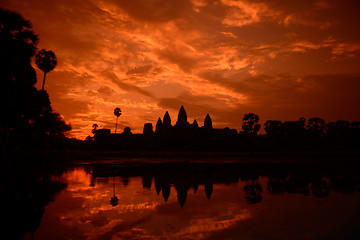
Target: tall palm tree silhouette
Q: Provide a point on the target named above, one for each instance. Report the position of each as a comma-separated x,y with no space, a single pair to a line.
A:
117,113
46,61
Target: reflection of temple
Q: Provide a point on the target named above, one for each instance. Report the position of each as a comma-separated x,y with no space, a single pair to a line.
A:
167,136
317,180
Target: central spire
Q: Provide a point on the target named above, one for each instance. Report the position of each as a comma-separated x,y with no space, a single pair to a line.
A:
182,117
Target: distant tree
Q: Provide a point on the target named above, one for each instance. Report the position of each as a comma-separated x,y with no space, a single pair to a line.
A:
302,122
208,122
273,128
250,123
339,128
95,126
316,127
46,61
355,125
294,130
117,113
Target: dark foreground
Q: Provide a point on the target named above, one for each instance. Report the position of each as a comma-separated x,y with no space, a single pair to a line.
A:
183,197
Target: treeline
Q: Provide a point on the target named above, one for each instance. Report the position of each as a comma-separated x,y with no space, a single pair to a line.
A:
313,133
27,119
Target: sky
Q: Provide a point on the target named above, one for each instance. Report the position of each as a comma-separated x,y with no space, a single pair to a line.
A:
279,59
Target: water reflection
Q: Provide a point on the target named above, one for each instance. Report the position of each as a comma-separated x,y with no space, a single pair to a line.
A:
189,200
114,200
25,192
304,179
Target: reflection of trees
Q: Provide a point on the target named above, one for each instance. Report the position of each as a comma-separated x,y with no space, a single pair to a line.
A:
298,184
320,188
26,198
253,192
276,185
345,184
114,200
146,181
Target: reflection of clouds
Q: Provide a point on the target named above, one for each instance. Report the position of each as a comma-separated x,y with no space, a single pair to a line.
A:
204,227
144,214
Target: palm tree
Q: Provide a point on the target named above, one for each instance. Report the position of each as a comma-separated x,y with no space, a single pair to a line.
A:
95,126
46,61
117,113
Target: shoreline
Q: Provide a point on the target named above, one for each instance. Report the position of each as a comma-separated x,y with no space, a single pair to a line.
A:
120,156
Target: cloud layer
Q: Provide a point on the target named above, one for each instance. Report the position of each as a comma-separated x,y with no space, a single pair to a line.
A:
279,59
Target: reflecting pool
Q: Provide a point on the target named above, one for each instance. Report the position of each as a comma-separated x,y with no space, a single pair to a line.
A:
198,201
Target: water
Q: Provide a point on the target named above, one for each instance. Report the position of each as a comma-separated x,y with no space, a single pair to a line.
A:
197,201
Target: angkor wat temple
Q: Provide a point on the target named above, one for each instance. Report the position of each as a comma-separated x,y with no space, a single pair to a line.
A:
181,136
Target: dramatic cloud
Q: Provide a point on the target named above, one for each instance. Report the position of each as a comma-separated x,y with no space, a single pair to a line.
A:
280,59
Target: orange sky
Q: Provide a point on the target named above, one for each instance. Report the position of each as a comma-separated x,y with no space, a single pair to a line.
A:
279,59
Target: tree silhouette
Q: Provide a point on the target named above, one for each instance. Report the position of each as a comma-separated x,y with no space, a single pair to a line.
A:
273,128
28,117
316,126
46,61
338,129
250,123
95,126
117,113
17,46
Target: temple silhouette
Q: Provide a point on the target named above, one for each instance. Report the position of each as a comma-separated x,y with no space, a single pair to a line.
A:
180,136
